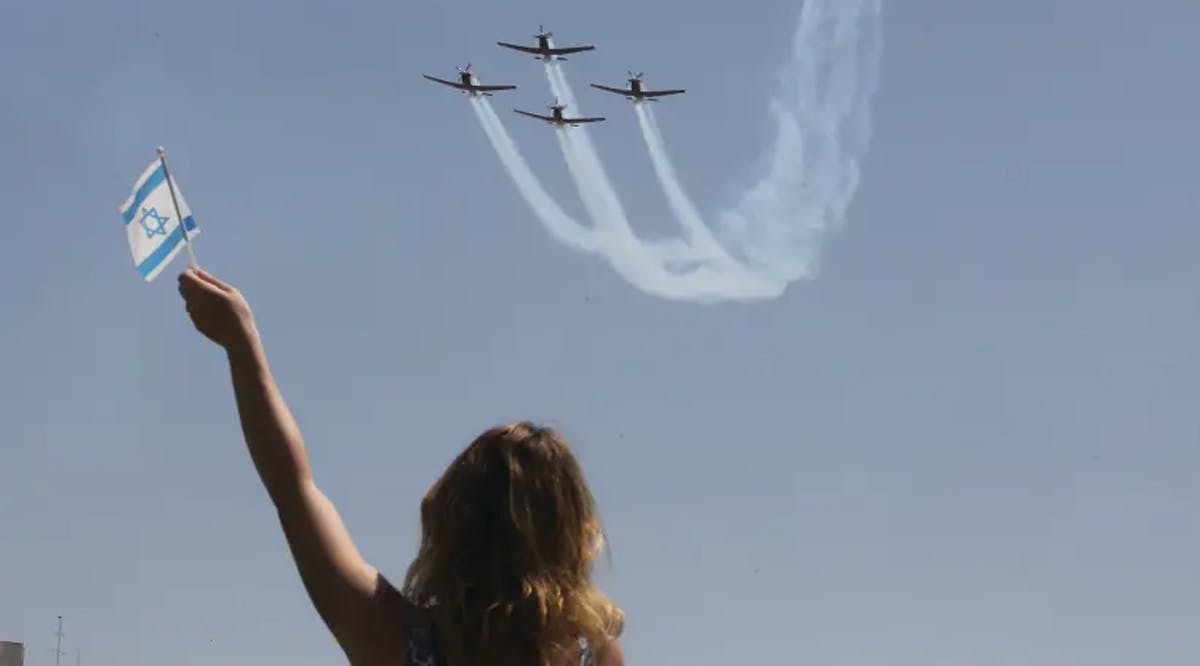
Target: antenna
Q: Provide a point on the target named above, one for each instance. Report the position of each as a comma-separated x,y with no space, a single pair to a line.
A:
58,653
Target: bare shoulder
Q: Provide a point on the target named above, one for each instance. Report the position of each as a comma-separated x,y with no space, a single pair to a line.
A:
610,654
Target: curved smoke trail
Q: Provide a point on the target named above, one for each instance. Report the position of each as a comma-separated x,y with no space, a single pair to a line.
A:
639,262
822,122
652,267
821,114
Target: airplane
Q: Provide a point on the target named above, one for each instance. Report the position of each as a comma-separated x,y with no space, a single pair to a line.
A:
543,51
557,118
467,83
635,91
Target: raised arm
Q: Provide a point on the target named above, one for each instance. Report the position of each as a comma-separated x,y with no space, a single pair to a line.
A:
345,590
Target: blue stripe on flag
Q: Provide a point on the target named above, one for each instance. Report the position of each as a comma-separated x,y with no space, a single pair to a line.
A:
152,182
165,249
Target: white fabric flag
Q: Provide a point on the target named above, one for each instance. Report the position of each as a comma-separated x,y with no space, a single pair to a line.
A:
151,223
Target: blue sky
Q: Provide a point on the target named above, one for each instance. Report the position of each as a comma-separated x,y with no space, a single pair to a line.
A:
972,439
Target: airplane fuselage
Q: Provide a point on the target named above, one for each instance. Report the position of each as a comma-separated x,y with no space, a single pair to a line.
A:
544,50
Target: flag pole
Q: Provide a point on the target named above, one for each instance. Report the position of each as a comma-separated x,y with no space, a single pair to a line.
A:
187,241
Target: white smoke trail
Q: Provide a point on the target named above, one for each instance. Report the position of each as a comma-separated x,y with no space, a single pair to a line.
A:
695,231
558,84
609,214
822,117
558,223
592,202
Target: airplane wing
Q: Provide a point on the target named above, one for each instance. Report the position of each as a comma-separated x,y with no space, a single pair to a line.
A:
660,93
492,88
534,115
518,47
612,90
570,49
452,84
573,121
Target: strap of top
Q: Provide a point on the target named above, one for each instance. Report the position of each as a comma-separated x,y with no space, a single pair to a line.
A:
585,653
421,650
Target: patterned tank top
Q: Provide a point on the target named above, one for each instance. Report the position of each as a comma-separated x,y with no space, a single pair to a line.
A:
422,647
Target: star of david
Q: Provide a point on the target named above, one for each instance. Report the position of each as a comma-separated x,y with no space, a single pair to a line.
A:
156,228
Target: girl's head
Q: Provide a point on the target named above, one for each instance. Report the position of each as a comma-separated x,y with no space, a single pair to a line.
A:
509,535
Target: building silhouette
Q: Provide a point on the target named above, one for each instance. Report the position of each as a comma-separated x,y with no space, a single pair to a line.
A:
12,654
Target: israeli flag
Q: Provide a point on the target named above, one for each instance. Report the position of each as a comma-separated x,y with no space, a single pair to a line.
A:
152,223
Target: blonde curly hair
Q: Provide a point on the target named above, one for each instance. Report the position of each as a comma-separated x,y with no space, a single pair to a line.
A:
510,533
